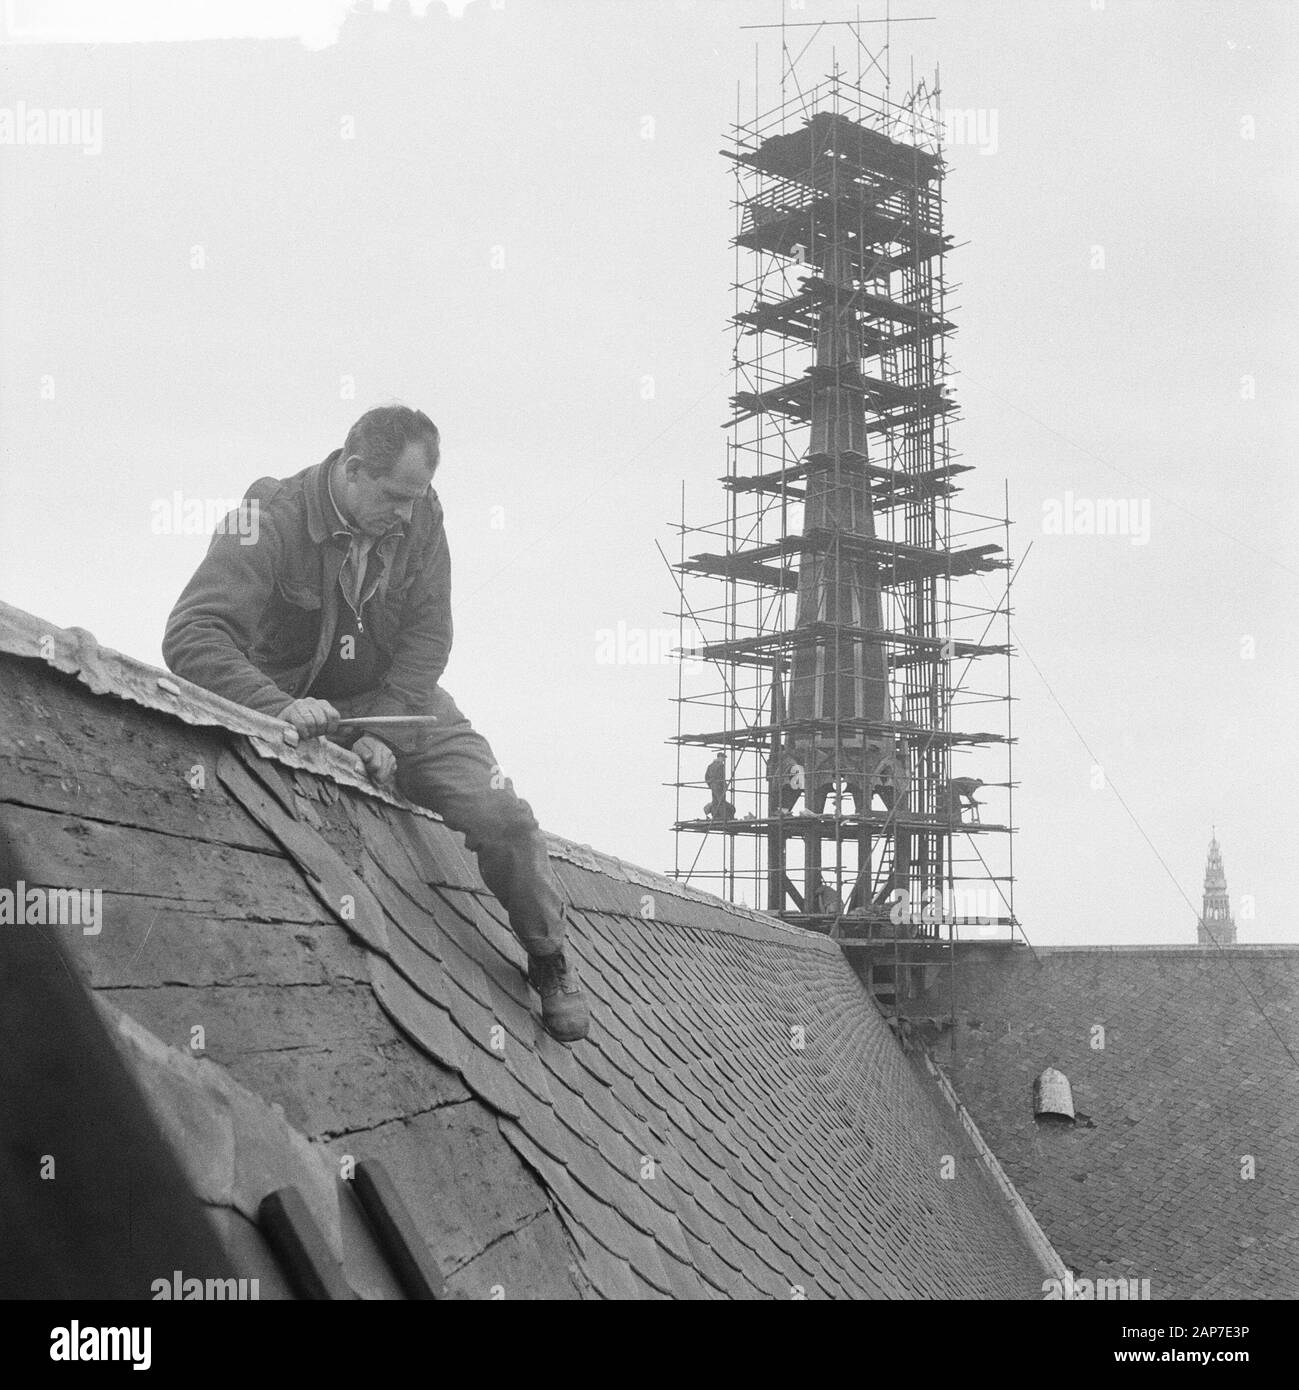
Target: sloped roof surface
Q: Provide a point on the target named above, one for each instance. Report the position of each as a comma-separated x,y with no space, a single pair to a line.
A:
1184,1166
741,1122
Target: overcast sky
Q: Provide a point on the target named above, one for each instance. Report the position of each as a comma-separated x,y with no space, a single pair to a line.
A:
516,215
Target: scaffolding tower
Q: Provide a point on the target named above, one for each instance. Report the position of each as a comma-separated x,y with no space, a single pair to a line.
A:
843,602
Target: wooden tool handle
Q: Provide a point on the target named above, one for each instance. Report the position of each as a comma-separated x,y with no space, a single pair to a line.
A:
388,721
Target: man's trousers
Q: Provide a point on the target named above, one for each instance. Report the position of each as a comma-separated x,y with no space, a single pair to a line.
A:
451,769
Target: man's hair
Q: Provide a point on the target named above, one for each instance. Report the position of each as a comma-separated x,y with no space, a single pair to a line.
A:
381,434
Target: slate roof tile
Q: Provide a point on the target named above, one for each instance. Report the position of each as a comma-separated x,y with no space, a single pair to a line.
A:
485,1075
716,1279
473,953
703,1188
418,962
429,1024
536,1119
432,859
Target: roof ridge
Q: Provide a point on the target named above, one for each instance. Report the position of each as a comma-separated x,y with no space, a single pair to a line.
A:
76,652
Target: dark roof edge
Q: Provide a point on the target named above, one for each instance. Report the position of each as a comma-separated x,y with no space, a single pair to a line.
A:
75,652
1237,948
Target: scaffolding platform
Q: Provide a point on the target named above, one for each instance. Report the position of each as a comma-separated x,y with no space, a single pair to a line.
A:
832,826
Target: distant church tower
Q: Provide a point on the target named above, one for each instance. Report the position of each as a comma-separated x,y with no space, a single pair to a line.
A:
1216,923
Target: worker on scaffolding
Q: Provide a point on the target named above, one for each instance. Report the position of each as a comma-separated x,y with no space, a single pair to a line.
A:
340,609
827,902
718,808
960,797
790,778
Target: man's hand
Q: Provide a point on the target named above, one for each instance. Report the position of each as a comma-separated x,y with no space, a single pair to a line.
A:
378,758
311,717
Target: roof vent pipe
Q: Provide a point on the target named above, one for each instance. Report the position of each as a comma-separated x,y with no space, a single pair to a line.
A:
1053,1097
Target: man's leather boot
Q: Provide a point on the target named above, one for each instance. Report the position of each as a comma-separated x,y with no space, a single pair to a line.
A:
563,1005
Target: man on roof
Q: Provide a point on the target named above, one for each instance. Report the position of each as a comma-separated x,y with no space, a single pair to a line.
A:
340,608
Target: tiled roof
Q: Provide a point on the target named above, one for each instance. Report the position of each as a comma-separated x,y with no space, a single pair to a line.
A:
740,1123
1183,1167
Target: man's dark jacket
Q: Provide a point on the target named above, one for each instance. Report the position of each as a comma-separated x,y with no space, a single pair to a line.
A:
257,621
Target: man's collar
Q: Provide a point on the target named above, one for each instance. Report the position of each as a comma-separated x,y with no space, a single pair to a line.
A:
322,521
339,524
